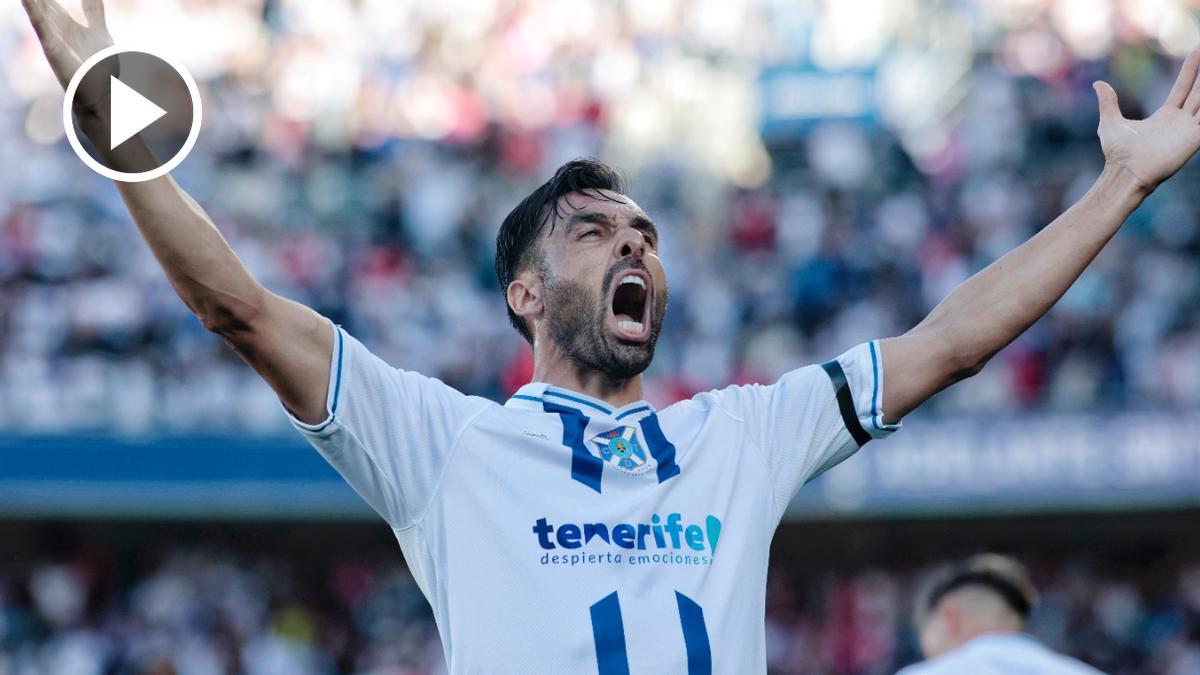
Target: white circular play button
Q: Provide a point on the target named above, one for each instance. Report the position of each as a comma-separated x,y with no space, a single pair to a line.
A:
129,112
145,110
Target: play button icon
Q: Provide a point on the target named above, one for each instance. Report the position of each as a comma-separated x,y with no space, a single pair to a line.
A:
142,112
130,112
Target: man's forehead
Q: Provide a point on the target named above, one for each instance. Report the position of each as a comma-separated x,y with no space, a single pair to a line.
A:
613,204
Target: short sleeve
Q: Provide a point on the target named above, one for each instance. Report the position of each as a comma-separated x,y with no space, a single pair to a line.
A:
812,418
389,432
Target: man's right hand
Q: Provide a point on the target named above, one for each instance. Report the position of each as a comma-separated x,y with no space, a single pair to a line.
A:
288,344
68,43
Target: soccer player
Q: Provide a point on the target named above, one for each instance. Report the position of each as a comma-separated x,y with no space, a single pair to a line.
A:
972,619
575,528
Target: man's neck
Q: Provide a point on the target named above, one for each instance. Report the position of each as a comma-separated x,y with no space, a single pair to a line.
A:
989,632
562,373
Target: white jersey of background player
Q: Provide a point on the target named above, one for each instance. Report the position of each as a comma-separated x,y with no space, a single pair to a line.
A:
480,495
1001,654
972,620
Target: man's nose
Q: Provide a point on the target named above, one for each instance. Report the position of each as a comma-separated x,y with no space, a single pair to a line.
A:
630,242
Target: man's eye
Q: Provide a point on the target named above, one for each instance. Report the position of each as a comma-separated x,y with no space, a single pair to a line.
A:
590,233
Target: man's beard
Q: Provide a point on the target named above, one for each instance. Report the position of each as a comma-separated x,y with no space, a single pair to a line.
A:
577,320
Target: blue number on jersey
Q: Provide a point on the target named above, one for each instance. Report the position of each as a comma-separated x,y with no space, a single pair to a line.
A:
608,630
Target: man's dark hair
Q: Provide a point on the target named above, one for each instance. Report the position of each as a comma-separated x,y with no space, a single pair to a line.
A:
1001,575
516,243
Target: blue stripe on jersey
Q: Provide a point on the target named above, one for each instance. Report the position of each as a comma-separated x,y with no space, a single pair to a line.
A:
635,410
695,635
609,632
662,449
527,398
585,467
875,393
597,406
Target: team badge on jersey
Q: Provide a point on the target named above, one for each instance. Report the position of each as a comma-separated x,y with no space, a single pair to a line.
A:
621,448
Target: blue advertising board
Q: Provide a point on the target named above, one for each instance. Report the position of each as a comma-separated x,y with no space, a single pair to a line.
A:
936,468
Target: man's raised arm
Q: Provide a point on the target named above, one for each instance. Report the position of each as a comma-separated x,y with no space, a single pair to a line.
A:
993,307
288,344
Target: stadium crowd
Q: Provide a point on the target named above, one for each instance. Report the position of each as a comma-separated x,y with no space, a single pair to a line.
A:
216,607
360,156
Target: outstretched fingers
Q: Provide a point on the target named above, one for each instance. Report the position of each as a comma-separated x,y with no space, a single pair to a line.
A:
52,15
1192,104
43,26
1185,81
37,16
93,11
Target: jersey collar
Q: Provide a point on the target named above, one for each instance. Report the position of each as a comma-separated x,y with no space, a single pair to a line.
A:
995,639
532,396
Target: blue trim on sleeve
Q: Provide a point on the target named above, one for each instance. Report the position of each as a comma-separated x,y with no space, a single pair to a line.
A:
875,412
331,406
307,428
877,375
337,387
527,398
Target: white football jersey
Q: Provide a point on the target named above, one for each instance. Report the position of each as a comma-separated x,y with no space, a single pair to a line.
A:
557,534
1001,654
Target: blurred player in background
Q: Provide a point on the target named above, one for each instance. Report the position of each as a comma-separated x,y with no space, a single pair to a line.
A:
576,528
972,620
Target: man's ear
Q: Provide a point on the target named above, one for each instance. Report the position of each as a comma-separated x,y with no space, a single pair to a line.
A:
952,620
525,297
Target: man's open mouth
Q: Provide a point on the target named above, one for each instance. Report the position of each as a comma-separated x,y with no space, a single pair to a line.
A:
630,305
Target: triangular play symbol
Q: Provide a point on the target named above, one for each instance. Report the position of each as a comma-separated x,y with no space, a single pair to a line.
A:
131,112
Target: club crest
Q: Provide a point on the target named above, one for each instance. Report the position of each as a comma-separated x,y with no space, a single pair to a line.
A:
621,448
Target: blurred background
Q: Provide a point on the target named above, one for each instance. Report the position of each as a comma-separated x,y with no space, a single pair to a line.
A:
823,172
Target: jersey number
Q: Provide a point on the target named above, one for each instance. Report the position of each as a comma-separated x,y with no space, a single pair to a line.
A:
609,632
